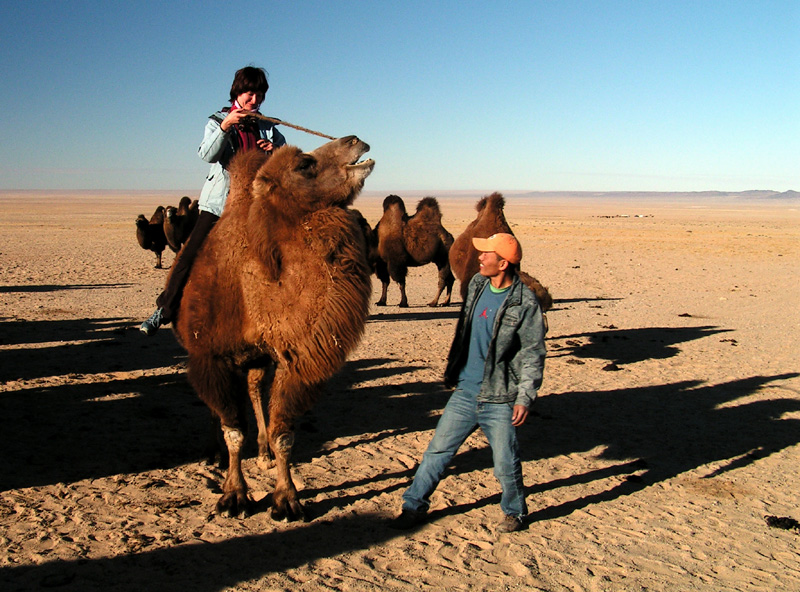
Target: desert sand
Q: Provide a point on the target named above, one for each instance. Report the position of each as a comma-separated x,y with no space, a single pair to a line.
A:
667,428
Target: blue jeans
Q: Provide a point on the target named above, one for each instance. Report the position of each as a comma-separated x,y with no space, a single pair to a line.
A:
460,417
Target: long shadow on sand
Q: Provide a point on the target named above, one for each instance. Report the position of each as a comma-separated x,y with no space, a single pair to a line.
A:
58,288
81,346
662,430
653,433
627,346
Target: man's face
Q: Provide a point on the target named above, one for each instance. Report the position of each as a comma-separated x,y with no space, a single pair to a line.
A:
491,265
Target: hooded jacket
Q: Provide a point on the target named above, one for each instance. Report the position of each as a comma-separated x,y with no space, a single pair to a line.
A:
515,360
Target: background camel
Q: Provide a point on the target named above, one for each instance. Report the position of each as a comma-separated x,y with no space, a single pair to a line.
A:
405,242
150,233
464,257
179,222
277,298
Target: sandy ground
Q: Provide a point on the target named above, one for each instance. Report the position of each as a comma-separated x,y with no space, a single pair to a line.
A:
666,430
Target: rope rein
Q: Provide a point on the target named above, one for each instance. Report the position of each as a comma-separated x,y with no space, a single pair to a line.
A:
297,127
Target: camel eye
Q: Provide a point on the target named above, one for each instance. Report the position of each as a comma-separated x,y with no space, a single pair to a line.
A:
306,166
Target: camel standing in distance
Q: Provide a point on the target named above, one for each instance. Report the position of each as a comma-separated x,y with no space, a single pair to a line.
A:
278,296
150,233
412,241
464,256
179,222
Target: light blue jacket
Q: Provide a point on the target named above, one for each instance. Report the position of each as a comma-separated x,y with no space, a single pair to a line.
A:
218,147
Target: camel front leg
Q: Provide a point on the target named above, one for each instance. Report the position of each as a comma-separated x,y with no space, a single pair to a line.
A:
288,399
235,500
219,388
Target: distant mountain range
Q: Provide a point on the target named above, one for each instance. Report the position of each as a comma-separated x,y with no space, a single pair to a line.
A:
753,194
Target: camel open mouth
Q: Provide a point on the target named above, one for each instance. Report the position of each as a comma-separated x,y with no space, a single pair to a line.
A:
361,163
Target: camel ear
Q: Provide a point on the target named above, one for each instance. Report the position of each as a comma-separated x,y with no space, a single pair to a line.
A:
263,185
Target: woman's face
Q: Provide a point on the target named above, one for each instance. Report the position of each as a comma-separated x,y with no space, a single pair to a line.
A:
250,100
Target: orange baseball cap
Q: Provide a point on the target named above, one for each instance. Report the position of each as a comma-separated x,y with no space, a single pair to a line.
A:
504,244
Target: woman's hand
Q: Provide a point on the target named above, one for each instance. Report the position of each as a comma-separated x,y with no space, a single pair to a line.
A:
265,145
233,118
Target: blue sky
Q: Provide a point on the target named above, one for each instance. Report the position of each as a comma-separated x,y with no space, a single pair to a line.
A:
583,96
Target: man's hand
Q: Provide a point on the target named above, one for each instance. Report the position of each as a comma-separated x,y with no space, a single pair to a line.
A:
519,416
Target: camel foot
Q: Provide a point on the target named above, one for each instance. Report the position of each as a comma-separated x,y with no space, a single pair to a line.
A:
433,304
265,461
380,303
235,504
287,507
403,305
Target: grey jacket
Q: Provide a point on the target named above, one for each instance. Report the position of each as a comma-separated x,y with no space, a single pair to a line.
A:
218,147
515,360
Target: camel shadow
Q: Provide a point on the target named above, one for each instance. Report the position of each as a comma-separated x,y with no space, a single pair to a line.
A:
71,432
80,346
628,346
659,432
58,287
416,314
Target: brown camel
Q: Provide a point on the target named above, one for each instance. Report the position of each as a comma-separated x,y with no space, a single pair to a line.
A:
150,233
278,296
179,222
411,241
464,257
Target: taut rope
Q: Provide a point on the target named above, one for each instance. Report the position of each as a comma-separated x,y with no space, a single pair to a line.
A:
297,127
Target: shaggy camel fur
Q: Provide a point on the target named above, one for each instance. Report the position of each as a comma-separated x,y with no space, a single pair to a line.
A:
413,241
464,257
150,233
277,297
179,222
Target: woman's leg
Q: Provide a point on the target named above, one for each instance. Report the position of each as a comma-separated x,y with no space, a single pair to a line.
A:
170,299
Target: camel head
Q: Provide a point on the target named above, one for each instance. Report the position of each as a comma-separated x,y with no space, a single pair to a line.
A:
394,200
170,212
331,175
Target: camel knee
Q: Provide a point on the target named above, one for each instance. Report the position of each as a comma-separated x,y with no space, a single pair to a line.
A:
284,443
234,438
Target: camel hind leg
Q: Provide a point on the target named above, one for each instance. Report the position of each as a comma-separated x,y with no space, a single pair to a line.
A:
398,273
219,388
258,381
446,281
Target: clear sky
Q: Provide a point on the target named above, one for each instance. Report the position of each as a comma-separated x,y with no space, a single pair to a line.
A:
462,95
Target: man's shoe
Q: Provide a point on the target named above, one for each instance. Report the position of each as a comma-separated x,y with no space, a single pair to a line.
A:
407,520
510,524
152,324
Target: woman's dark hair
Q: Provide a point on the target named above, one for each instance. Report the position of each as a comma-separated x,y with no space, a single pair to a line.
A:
249,79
